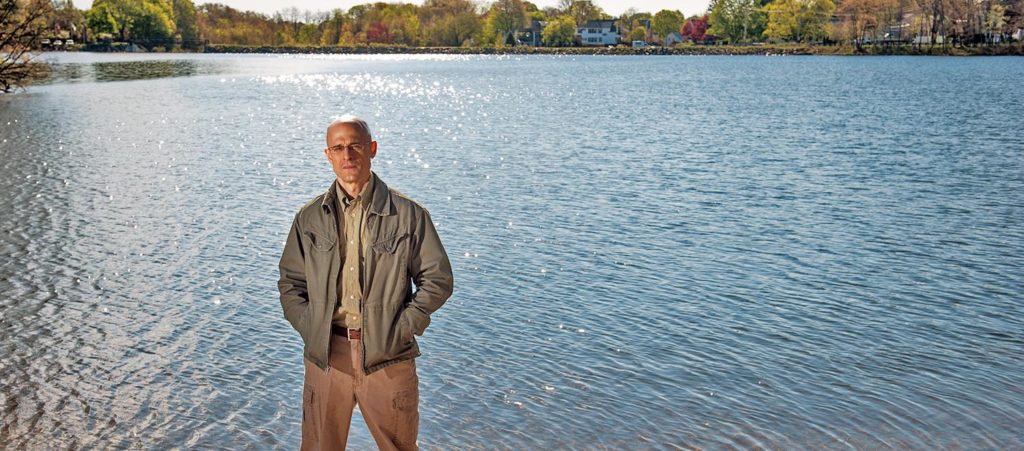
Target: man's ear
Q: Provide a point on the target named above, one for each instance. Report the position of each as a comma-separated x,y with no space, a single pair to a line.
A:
373,149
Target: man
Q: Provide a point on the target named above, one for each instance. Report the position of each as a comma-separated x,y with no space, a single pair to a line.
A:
345,287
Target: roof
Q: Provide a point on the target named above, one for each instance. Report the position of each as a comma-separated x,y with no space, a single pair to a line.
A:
608,23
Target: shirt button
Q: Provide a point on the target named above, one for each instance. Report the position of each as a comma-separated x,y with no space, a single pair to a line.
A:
352,268
352,296
352,242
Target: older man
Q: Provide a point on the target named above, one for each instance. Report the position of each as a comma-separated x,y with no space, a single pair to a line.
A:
351,258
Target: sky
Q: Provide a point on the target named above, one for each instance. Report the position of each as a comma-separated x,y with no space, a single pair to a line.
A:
613,7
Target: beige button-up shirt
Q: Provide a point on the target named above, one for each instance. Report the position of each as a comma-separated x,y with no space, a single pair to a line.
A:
352,225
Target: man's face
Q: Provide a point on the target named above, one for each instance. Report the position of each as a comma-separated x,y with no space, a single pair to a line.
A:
350,165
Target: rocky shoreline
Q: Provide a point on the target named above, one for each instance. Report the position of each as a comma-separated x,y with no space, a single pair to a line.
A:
796,49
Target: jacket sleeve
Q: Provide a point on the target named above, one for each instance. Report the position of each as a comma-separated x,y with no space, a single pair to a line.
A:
292,284
431,272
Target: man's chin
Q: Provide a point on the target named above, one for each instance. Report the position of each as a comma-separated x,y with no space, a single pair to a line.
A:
351,178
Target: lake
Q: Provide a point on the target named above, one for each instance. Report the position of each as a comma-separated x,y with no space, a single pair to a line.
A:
649,252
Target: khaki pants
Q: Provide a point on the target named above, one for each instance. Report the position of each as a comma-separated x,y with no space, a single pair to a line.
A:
388,399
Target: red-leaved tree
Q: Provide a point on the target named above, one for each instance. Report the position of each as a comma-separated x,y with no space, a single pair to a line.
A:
695,29
378,32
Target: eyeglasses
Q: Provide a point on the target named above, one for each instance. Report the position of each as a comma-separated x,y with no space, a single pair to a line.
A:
354,147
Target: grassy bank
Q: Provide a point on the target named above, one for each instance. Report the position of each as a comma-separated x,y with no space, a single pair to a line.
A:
767,49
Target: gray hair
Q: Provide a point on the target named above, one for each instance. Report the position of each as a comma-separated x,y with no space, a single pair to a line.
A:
354,121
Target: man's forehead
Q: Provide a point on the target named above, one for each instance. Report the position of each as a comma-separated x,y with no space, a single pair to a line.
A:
342,130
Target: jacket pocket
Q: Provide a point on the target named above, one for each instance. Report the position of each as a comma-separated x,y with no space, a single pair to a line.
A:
389,245
320,242
405,332
303,327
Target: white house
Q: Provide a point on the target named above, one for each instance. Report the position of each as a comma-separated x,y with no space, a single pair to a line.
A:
598,32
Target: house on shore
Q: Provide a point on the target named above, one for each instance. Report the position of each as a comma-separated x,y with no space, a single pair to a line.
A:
673,38
598,33
531,35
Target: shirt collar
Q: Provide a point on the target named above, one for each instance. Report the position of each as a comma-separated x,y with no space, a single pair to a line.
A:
378,195
360,199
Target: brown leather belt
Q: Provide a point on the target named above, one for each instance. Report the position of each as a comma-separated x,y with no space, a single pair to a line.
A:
351,334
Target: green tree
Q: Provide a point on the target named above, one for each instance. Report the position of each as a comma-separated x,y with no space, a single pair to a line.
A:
110,16
138,19
799,20
184,13
503,19
452,31
153,20
638,34
100,19
464,27
309,34
736,20
816,19
667,21
448,23
582,11
560,32
782,20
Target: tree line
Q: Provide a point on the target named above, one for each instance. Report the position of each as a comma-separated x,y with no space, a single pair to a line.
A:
867,21
30,24
449,23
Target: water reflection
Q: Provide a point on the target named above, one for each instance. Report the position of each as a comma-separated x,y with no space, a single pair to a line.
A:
108,71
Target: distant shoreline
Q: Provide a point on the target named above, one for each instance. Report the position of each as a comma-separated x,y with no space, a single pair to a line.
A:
767,49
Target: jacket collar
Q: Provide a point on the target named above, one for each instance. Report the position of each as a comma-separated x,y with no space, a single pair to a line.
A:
379,205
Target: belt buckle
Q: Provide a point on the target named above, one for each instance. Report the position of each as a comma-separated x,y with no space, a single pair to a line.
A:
349,335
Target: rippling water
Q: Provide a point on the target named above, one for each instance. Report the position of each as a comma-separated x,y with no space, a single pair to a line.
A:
650,252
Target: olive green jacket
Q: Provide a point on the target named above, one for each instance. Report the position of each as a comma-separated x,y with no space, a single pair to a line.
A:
402,249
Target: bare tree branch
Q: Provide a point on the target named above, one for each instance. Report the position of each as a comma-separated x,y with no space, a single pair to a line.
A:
21,24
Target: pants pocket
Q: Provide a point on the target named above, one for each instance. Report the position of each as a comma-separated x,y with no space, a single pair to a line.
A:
405,412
